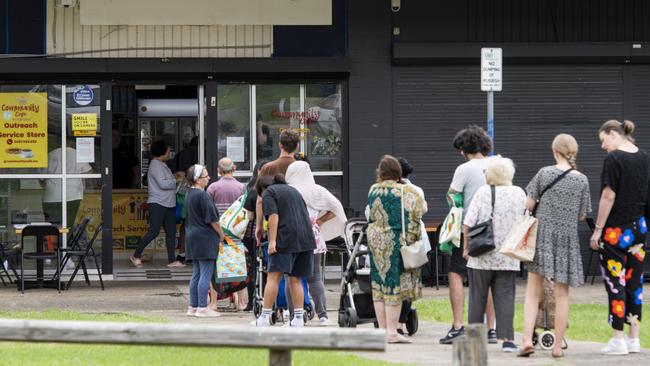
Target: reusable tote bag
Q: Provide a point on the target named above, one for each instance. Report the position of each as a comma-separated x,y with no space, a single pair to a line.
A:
414,255
231,264
234,221
521,241
451,228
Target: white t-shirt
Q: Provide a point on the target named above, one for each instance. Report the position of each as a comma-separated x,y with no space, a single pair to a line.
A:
75,188
468,178
509,203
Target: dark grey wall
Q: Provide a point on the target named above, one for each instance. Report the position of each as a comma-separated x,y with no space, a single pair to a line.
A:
370,95
523,21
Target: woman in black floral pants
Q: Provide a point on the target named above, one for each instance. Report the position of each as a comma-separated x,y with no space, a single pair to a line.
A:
620,232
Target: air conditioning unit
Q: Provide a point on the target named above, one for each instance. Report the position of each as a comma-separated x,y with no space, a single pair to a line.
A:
67,3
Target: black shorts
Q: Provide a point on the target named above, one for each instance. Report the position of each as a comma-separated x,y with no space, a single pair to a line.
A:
294,264
458,264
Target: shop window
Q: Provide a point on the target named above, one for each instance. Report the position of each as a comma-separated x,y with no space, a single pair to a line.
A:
278,107
323,121
233,118
31,127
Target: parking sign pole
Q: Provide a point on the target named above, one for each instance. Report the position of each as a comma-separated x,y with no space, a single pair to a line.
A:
490,118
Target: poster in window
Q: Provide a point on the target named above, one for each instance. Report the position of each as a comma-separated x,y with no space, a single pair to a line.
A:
23,136
235,149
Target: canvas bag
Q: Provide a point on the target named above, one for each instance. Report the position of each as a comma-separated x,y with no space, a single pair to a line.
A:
231,263
452,226
414,255
235,221
521,241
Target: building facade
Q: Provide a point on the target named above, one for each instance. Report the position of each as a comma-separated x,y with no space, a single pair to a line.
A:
359,79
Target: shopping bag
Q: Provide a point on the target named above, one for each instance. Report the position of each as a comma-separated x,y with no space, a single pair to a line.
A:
234,221
231,263
521,241
451,228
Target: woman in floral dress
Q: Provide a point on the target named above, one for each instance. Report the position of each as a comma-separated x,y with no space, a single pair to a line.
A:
391,283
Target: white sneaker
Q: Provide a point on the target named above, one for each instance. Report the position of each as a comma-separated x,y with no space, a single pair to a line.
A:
206,313
324,322
633,345
191,311
297,323
261,322
615,346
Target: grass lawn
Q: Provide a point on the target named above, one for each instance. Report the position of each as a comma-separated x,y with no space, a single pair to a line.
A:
587,322
20,353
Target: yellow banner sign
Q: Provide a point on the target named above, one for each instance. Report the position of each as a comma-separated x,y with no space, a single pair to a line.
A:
130,217
23,137
84,124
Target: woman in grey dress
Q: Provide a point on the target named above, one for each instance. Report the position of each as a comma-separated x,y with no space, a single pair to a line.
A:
557,255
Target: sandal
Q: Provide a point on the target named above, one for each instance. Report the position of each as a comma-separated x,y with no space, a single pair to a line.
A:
526,351
398,339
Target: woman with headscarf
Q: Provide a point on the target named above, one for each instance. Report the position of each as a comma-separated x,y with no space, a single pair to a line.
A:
328,220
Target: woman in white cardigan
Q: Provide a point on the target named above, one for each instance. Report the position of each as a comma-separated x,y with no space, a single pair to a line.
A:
328,221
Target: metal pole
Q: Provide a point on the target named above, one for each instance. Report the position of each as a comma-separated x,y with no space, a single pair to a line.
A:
490,118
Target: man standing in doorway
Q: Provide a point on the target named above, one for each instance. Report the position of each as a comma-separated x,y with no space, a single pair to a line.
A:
475,145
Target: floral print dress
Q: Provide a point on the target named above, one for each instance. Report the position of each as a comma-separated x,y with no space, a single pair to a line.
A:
391,283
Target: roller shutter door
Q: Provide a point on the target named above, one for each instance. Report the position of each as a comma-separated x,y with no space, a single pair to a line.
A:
432,103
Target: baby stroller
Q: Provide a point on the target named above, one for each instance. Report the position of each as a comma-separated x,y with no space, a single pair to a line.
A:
356,306
281,302
546,319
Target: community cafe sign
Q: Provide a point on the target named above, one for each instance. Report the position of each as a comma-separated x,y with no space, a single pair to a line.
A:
23,137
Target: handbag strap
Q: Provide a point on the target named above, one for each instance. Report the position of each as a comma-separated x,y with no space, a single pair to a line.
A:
559,178
493,194
402,209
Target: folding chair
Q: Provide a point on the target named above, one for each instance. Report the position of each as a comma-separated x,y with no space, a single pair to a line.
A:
39,233
7,256
81,252
74,238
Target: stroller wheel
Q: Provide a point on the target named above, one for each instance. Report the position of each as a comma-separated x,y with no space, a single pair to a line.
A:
274,318
412,322
342,319
310,314
351,318
535,338
376,324
546,340
565,345
257,309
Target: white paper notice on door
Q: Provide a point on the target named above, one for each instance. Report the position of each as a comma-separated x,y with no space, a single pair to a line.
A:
85,149
235,149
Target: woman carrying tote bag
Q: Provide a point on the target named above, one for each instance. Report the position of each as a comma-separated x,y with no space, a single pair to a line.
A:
559,195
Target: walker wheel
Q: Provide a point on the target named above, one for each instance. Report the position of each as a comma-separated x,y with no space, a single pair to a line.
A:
274,318
547,340
535,338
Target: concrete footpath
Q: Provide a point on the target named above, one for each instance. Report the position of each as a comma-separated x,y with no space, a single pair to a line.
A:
169,299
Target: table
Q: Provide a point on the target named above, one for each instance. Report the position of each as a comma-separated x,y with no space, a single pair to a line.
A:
40,281
431,227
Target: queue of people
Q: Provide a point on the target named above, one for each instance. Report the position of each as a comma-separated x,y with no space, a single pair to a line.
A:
293,217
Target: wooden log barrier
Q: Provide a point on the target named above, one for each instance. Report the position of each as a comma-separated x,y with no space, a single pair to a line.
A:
279,341
471,349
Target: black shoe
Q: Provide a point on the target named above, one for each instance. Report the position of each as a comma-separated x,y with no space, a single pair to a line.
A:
452,334
492,336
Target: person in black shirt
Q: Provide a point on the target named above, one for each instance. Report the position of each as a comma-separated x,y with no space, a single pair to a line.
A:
291,244
620,231
124,162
